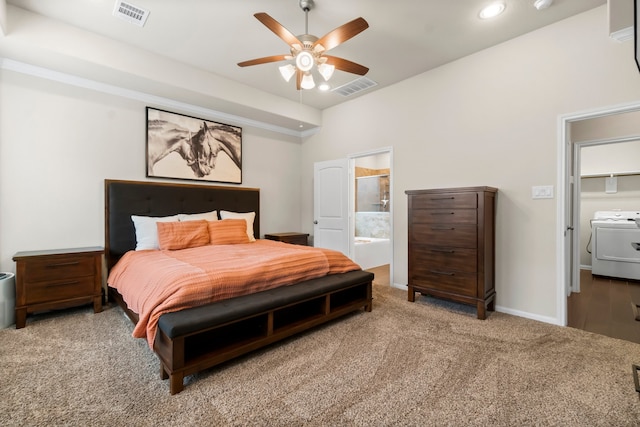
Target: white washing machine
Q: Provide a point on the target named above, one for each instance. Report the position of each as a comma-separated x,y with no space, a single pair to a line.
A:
615,249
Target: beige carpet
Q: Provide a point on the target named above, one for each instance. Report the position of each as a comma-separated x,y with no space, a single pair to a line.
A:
415,364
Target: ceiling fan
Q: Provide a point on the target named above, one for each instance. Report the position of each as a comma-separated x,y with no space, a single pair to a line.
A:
308,50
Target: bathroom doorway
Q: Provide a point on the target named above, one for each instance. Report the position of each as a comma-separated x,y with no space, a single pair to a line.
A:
372,209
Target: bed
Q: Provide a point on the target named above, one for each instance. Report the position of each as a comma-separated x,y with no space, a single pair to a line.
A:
195,338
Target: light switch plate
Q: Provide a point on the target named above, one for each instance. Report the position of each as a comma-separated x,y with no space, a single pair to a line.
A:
542,192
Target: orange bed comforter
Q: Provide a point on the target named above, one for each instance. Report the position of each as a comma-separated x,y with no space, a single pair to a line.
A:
156,282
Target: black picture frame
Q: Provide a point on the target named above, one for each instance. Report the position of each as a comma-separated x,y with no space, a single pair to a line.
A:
179,146
636,11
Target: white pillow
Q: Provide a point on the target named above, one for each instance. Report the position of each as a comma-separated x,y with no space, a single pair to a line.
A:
247,216
209,216
147,231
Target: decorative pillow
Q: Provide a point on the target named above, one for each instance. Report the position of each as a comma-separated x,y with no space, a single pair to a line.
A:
147,231
228,232
182,235
247,216
209,216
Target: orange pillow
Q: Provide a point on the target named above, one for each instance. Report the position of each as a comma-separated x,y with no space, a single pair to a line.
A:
181,235
228,232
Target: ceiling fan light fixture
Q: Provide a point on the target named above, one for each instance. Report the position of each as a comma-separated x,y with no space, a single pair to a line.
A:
307,81
287,71
304,61
326,71
542,4
492,10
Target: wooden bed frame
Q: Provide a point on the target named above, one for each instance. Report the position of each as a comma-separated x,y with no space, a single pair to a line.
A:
195,339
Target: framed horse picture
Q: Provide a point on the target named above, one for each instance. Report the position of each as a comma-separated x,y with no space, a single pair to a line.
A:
636,31
185,147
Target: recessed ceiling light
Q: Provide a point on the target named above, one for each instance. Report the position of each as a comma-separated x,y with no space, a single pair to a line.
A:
492,10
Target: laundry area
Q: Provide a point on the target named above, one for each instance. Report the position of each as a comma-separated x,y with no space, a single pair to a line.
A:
615,244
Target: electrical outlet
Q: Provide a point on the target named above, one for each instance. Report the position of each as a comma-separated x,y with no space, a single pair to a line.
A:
542,192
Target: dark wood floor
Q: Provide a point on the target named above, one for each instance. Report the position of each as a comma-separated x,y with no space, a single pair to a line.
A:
605,306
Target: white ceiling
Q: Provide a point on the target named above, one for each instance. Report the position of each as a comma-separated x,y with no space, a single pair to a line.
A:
404,38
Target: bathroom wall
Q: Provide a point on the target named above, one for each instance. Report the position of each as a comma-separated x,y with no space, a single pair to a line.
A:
373,224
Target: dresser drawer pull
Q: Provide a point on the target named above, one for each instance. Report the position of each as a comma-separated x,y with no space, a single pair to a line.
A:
63,264
442,198
75,282
443,228
446,251
442,213
443,273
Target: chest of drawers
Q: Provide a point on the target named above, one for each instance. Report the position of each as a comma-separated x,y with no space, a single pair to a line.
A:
452,245
59,278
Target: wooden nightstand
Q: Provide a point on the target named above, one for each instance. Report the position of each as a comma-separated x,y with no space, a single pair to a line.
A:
58,278
293,238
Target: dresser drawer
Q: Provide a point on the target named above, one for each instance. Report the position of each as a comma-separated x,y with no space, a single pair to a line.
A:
445,216
38,292
443,201
447,281
54,268
422,259
451,235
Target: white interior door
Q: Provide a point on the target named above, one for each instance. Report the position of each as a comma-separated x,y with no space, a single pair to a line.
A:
331,205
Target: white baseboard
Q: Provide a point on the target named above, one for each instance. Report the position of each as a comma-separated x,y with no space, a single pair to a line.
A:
527,315
506,310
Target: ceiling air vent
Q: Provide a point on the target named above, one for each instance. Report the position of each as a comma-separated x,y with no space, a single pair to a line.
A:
355,86
131,13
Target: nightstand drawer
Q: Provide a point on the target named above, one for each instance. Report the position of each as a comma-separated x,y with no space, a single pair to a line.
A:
39,292
55,268
291,237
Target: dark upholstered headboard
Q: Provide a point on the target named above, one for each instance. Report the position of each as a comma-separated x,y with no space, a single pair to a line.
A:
126,198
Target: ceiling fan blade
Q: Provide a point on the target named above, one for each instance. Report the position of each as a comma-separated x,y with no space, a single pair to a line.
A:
298,79
265,60
346,65
342,34
277,28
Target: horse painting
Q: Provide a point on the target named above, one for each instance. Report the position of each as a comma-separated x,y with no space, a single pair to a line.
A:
199,149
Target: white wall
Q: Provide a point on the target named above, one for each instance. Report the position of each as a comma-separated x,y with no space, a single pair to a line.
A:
489,119
58,143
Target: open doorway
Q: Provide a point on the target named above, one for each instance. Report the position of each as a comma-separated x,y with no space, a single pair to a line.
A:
608,185
601,128
372,209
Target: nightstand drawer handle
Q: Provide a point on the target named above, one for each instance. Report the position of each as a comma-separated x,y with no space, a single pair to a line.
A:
75,282
442,213
442,198
63,264
443,273
442,228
